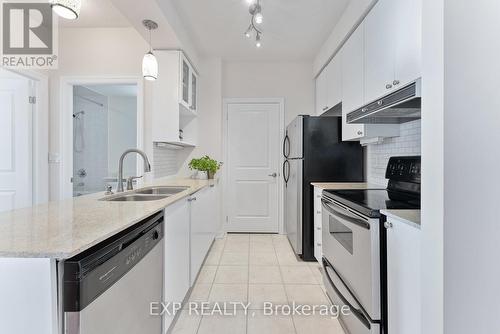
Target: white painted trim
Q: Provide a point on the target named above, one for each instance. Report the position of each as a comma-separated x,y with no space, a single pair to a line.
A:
281,186
66,123
40,133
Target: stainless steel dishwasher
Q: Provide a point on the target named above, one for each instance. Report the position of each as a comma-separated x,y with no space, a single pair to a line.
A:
108,288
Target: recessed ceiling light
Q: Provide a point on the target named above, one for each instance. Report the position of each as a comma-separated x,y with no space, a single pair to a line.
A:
68,9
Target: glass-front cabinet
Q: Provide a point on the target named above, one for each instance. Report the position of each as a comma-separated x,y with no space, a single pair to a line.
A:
189,85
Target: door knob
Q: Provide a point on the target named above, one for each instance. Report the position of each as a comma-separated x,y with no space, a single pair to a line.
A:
273,175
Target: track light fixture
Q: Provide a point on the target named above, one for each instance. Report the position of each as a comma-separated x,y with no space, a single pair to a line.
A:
255,11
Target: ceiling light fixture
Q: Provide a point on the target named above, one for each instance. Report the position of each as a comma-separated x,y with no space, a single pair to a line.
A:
149,62
255,11
68,9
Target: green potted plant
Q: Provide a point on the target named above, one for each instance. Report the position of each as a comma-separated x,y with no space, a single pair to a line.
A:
205,164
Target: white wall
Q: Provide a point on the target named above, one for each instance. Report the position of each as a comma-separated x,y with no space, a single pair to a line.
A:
94,52
293,81
471,166
122,133
432,213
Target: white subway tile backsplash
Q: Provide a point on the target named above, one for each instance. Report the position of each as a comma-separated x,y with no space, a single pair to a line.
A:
408,143
164,161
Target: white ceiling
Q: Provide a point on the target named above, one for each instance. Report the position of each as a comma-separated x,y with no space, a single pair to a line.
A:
114,90
96,14
293,29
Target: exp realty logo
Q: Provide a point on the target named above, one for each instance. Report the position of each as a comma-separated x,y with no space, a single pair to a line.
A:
29,35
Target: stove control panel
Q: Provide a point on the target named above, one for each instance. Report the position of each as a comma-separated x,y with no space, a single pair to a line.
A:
405,169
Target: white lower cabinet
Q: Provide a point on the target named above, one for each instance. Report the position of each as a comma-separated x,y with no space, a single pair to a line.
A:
204,209
177,258
318,249
403,277
190,227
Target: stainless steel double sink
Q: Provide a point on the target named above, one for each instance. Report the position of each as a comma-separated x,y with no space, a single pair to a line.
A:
145,194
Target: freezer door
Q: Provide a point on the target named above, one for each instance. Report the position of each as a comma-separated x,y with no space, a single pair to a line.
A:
295,135
293,205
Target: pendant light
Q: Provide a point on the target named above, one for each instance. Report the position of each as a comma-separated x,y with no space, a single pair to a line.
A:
149,62
256,19
68,9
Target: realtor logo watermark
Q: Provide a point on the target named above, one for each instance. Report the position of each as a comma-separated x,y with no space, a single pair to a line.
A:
29,35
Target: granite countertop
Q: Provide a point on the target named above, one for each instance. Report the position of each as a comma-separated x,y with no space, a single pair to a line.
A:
411,217
62,229
345,185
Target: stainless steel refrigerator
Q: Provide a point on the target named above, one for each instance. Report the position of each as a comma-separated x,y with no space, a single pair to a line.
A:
314,152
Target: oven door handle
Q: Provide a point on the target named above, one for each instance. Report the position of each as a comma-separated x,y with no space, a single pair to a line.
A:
360,312
345,214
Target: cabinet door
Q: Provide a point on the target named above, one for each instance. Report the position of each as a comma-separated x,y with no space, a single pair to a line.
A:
379,50
202,235
321,90
352,82
408,41
403,278
194,91
177,259
185,82
334,82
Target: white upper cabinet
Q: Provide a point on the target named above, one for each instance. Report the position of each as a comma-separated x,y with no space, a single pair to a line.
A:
334,82
392,46
321,93
408,39
175,100
329,86
352,83
379,50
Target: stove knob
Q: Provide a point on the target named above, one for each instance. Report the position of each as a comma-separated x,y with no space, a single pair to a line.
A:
156,235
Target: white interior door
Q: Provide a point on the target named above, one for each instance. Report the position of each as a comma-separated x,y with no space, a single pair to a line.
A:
15,142
253,163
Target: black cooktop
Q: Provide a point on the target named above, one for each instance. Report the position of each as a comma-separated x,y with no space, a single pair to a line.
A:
369,202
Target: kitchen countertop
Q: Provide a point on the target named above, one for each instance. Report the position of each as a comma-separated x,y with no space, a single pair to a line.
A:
410,217
345,185
62,229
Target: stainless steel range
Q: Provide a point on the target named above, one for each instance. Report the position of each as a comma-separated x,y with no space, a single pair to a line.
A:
354,248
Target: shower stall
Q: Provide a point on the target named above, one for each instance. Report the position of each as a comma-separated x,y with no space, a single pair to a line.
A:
104,125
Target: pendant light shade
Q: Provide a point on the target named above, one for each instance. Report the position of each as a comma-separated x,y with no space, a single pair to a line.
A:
150,66
68,9
149,62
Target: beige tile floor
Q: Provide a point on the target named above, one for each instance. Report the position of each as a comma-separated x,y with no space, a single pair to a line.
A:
257,268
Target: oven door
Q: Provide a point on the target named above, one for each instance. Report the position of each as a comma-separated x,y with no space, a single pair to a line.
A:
351,251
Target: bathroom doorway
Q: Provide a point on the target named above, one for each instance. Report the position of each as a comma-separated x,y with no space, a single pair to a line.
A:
104,126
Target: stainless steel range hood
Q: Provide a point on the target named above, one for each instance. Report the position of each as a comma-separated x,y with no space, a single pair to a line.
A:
398,107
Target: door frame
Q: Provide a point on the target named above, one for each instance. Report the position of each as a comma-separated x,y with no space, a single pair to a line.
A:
40,134
66,122
225,111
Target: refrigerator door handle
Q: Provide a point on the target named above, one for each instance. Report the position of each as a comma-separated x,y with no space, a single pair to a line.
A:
286,171
286,147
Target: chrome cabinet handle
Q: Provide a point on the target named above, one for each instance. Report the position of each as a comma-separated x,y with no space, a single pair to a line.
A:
318,244
325,108
360,133
318,212
273,175
395,82
388,86
318,228
192,199
388,225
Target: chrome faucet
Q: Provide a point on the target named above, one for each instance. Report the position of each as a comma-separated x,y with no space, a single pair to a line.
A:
147,168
